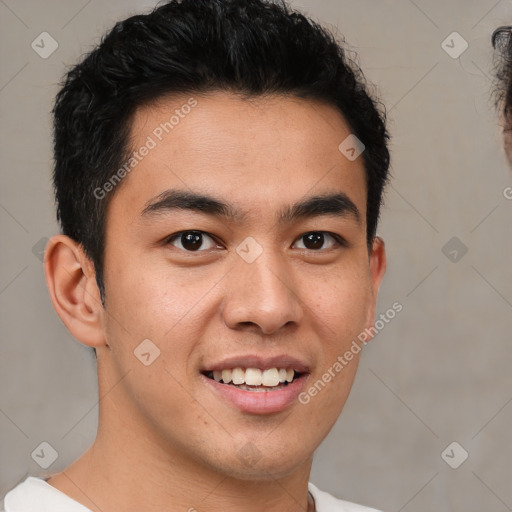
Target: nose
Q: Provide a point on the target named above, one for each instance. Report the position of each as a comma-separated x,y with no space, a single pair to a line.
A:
261,295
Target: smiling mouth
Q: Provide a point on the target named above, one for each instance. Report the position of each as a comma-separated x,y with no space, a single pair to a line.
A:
254,379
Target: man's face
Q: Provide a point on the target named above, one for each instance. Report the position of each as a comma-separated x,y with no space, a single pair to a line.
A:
256,289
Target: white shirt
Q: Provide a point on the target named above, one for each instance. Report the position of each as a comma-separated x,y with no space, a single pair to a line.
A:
36,495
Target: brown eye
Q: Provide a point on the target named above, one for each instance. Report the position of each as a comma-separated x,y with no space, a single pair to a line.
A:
191,241
314,240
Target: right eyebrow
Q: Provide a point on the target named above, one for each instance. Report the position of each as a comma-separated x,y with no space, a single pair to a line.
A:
183,200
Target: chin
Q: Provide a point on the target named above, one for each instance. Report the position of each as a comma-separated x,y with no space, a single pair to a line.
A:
264,471
257,464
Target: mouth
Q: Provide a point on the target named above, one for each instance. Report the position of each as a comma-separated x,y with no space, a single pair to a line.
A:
255,379
256,385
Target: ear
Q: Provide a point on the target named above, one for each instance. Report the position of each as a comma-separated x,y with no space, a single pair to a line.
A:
71,282
377,270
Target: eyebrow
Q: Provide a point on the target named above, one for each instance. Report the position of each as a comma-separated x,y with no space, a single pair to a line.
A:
338,204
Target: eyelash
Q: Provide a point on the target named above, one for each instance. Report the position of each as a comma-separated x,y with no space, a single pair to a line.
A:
339,240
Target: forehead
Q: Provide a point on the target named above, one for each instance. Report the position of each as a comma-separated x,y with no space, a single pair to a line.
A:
261,152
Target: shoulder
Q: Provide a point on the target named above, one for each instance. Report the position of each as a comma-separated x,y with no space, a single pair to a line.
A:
325,502
36,495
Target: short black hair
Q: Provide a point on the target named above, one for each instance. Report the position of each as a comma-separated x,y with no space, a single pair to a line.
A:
502,44
249,47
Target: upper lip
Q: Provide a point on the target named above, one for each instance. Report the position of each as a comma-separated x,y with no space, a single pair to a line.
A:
256,361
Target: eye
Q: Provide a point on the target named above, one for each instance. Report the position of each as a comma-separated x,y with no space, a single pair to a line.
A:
315,239
191,241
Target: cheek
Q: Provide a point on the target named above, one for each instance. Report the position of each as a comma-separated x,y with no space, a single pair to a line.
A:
339,303
146,292
167,306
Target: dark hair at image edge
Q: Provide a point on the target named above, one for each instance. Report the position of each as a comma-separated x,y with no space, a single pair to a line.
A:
502,90
248,47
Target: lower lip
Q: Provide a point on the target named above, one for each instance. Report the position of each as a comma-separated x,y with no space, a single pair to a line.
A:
259,402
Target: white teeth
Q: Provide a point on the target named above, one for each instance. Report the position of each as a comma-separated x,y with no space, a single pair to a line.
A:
238,376
254,376
226,376
270,377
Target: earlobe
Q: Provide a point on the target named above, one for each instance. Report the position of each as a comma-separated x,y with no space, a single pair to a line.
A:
377,271
377,262
73,290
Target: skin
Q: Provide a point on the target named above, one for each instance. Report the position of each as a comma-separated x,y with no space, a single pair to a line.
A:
165,441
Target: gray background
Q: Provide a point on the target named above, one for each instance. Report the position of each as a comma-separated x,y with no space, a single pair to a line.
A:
438,373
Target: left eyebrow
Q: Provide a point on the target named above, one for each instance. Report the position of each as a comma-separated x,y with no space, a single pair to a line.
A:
329,204
338,204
